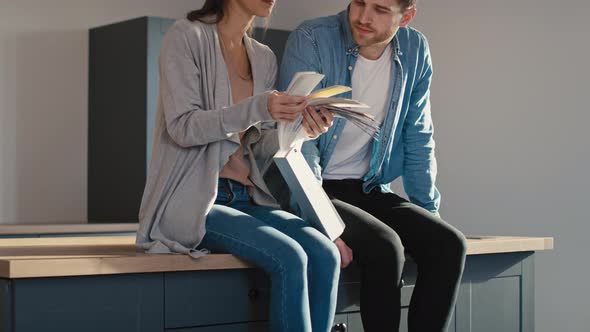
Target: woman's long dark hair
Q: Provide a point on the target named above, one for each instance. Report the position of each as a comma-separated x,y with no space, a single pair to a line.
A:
211,12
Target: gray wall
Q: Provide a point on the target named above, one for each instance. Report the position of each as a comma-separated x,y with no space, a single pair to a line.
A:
510,110
43,101
509,105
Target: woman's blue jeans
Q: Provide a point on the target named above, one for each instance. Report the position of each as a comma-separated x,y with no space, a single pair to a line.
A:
303,264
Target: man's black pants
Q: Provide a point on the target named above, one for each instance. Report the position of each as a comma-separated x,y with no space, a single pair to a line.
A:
379,227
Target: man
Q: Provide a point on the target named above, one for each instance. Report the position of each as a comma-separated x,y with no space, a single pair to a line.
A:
370,47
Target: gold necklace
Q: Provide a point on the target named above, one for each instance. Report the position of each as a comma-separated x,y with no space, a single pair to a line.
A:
231,64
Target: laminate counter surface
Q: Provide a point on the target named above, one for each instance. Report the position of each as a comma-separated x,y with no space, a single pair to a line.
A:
104,255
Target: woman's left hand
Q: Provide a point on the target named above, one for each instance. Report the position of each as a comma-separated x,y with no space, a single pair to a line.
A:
316,123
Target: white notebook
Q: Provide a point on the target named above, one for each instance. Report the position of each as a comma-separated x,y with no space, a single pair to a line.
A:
314,204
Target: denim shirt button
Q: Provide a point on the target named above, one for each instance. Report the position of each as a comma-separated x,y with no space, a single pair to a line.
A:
349,67
335,137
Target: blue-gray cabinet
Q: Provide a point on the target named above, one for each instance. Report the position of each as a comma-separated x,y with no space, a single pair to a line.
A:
496,295
91,304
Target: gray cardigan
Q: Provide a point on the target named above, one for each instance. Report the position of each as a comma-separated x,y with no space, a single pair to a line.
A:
196,132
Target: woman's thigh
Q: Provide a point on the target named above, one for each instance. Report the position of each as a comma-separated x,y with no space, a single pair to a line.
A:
232,231
312,240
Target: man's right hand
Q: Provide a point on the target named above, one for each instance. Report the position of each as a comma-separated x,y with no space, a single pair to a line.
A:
283,107
345,252
316,124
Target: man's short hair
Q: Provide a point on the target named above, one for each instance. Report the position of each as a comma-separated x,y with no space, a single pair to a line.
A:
405,4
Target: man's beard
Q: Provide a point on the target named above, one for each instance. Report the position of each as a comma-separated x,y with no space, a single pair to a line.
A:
365,40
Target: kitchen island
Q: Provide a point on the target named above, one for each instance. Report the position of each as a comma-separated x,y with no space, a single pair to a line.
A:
60,282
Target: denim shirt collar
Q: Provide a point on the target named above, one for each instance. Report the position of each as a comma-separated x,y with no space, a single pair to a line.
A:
352,48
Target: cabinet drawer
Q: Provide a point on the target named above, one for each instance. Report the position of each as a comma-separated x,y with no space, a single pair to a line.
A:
249,327
128,302
349,297
215,297
349,289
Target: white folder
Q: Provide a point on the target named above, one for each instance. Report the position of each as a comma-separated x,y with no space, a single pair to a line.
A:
315,206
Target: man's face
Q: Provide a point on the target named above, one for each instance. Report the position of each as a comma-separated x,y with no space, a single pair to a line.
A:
375,22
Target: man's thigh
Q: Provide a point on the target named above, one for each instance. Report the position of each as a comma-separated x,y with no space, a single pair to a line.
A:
421,232
368,237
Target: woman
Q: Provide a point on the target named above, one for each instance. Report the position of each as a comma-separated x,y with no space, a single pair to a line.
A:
213,138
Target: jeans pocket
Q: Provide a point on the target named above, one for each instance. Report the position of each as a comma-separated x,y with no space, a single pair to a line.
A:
224,195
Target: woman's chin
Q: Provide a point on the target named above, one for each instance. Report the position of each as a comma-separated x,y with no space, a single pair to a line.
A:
264,13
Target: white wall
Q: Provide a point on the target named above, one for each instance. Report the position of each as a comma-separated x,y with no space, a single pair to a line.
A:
509,105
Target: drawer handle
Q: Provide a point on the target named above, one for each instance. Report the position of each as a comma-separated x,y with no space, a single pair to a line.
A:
253,294
339,328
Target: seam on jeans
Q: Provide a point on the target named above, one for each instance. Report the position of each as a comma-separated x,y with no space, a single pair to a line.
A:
281,272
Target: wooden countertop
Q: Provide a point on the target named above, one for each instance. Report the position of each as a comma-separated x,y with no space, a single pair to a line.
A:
68,228
104,255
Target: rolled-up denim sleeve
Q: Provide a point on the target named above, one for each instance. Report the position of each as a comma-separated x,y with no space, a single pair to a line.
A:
420,165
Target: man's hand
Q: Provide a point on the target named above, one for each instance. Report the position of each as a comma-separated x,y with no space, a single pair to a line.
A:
345,252
316,123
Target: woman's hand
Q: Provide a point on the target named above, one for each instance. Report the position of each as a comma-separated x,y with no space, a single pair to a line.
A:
345,252
283,107
316,123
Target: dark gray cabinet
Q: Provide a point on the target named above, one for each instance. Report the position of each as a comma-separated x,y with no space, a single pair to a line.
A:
122,96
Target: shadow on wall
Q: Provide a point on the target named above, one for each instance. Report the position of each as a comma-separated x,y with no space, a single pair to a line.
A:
43,126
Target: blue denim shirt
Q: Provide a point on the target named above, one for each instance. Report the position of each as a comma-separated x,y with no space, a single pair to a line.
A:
405,146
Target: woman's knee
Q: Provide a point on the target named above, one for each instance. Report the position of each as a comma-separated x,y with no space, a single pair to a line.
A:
323,256
291,258
326,255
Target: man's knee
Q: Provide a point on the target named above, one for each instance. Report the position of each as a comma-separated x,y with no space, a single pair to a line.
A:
455,244
386,251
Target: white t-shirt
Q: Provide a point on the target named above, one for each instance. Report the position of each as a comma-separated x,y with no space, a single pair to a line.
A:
371,80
